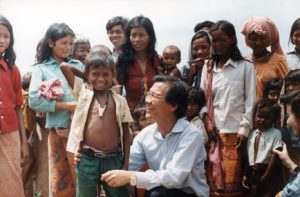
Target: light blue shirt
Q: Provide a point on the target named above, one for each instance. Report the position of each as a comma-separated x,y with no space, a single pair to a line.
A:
293,60
176,161
292,189
43,72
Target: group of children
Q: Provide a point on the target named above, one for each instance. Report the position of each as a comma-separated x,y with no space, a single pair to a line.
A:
101,126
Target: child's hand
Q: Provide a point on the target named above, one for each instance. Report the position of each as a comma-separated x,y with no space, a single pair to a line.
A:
71,106
245,182
25,151
77,157
240,141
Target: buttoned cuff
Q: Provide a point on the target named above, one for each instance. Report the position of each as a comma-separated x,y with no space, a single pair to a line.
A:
52,106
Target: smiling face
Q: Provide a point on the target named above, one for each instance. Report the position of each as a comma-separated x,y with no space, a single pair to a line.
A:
201,48
61,48
263,118
258,43
139,39
116,36
100,77
4,39
81,51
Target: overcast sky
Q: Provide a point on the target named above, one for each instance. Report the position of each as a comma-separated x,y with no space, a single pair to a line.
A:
173,20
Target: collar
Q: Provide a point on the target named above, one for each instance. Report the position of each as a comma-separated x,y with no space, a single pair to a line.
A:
229,62
179,126
3,64
52,61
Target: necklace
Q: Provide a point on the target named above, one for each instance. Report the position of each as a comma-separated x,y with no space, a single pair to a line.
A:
102,109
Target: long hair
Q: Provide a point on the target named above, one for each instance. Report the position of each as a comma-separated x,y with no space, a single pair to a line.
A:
55,32
126,58
9,53
229,30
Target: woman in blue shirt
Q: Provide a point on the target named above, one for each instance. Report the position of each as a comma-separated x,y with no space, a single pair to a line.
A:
52,50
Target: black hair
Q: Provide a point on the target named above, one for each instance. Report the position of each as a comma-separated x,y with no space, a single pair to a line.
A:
98,59
293,75
26,78
273,84
126,58
200,26
55,32
118,20
101,48
198,35
274,107
292,99
9,53
138,112
197,96
295,26
229,30
177,93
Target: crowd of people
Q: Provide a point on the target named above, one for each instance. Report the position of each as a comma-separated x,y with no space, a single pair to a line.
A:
132,122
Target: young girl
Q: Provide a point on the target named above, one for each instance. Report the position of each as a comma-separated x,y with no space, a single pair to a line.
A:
200,52
293,58
138,62
260,33
81,47
261,141
229,84
13,141
54,49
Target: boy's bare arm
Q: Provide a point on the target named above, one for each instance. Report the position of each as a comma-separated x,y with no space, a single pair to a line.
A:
270,167
126,144
70,72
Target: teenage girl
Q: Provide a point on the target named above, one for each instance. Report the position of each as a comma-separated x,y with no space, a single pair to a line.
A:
293,58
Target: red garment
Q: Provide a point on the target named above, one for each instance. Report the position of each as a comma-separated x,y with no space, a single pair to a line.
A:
51,90
10,97
135,86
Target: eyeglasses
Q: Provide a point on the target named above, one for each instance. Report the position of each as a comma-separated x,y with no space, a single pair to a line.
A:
153,95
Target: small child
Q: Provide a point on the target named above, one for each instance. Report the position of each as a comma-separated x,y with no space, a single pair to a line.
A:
195,103
260,159
99,129
81,47
141,119
292,81
272,89
171,57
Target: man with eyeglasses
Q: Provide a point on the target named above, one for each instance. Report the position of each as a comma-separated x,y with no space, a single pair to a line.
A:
172,147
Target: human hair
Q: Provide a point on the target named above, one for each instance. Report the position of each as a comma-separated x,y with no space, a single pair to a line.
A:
26,78
101,48
177,93
9,53
293,100
274,107
204,24
295,26
138,112
126,58
293,76
118,20
178,52
229,30
55,32
196,96
198,35
273,84
79,39
98,59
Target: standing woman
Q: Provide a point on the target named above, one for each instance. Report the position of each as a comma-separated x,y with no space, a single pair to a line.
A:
138,62
260,33
229,83
55,48
13,141
293,58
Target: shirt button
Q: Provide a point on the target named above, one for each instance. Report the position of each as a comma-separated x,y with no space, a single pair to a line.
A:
0,102
2,117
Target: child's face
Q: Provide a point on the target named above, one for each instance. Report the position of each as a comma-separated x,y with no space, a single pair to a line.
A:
4,39
258,43
296,38
291,86
81,51
192,110
200,48
61,48
293,121
101,78
170,58
116,35
263,118
274,95
143,121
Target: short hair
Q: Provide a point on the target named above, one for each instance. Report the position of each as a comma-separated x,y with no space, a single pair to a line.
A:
98,59
118,20
292,99
273,84
197,96
26,78
293,75
101,48
138,111
200,26
177,93
178,52
79,39
275,109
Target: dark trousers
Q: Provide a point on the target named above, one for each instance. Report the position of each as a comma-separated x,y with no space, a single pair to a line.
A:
164,192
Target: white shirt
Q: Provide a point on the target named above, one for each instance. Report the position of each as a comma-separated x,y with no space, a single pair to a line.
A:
293,60
234,96
176,161
269,140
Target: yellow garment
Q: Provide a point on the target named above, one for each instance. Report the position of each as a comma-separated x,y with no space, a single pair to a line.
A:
29,115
